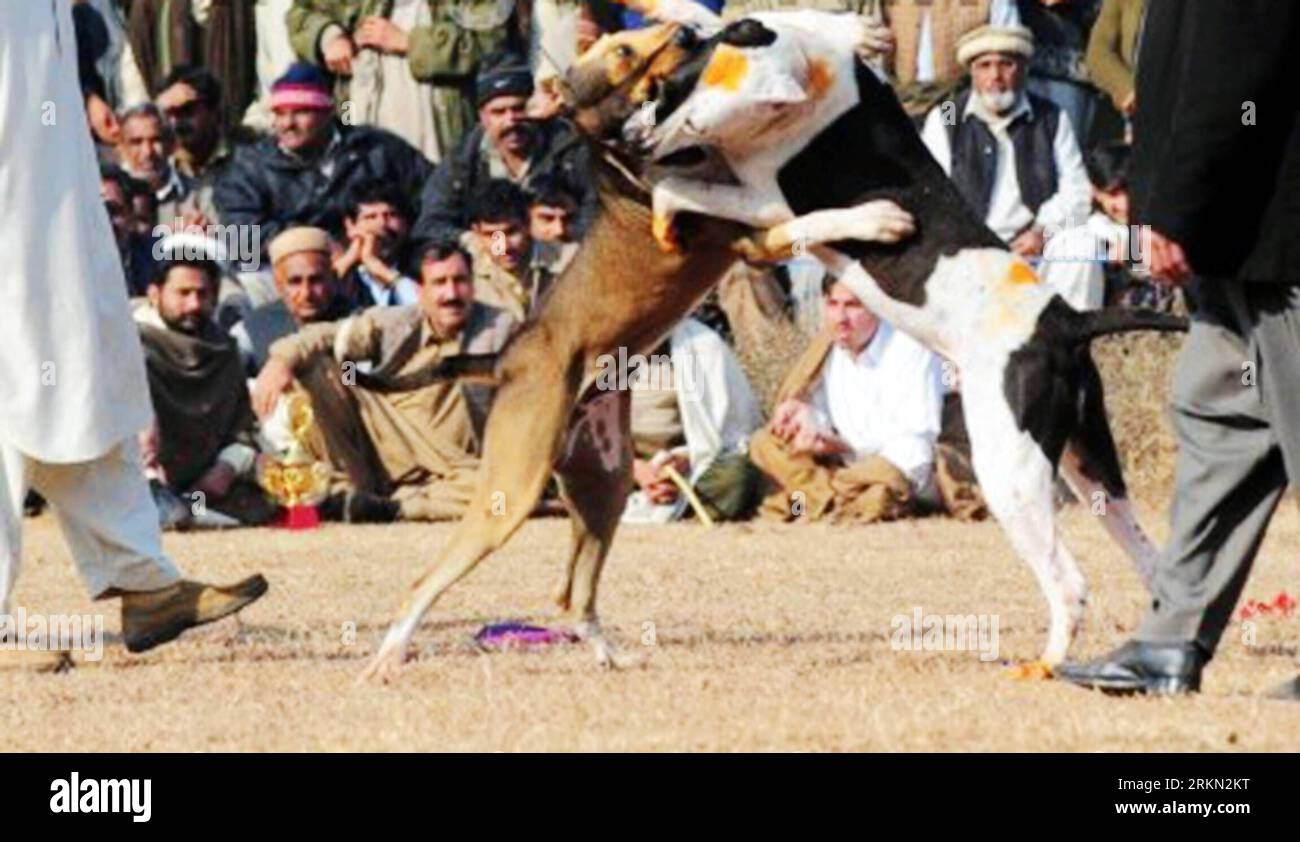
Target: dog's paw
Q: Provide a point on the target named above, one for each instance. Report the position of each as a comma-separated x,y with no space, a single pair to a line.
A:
386,666
1031,671
884,221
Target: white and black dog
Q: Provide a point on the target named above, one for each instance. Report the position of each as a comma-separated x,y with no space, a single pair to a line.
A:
806,126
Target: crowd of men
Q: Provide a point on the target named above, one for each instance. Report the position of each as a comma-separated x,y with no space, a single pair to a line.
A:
414,194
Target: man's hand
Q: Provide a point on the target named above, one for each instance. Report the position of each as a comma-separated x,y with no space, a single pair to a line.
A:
345,261
1129,105
273,380
377,268
383,35
656,484
787,419
338,55
1028,243
875,40
216,482
103,122
150,442
1168,260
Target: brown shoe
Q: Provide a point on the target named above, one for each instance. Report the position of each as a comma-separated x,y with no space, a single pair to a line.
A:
153,618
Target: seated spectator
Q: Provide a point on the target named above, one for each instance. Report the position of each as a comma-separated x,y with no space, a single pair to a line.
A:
552,210
1112,53
191,101
307,290
137,262
854,431
1058,70
145,152
926,33
1092,265
1011,153
303,174
507,271
407,66
407,455
693,409
507,144
202,438
376,224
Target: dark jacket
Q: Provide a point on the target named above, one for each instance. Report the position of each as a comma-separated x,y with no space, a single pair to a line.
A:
263,185
975,159
445,201
1205,174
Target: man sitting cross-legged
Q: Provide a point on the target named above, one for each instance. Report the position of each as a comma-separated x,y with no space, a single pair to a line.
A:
856,421
308,290
201,443
412,454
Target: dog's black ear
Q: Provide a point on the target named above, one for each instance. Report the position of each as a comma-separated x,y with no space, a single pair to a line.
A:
747,32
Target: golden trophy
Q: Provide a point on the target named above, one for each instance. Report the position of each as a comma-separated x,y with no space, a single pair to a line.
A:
296,480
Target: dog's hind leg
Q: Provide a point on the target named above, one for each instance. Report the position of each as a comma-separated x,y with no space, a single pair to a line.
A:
1090,466
523,435
595,478
1017,479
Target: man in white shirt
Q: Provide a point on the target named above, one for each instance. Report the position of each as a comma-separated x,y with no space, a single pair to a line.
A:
856,421
1012,154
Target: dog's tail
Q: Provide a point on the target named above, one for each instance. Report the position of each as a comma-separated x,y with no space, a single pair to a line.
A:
1093,324
467,368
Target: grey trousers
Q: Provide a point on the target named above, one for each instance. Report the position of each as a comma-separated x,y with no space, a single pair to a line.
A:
1236,415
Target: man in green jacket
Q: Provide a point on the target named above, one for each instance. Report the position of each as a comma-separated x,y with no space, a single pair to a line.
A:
405,65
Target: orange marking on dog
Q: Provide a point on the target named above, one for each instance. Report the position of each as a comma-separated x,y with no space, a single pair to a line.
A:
727,69
820,78
1021,274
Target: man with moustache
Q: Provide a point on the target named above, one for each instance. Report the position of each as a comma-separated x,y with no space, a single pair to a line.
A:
507,144
200,446
304,173
420,451
1012,154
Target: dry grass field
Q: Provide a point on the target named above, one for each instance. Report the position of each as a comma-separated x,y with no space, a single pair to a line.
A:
756,637
764,638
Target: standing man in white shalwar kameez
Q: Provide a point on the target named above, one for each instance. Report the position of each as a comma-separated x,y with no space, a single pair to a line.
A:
75,395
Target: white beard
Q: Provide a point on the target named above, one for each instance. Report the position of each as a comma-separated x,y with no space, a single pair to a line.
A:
999,103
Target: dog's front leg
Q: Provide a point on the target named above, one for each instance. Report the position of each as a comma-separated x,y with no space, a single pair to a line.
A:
757,207
879,221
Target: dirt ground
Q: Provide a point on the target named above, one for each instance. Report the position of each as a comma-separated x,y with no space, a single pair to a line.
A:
757,637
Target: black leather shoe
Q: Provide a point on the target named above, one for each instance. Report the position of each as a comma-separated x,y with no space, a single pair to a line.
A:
1160,669
1288,691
